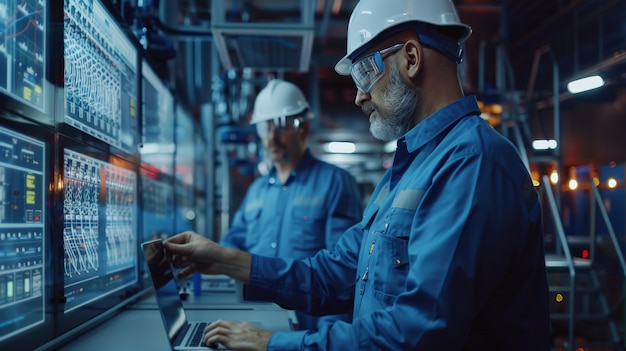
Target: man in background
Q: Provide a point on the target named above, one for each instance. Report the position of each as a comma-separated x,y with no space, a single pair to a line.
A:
303,204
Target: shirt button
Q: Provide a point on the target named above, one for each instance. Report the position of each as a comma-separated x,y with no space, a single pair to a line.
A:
273,245
272,180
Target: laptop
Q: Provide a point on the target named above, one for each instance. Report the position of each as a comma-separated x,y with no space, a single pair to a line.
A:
182,334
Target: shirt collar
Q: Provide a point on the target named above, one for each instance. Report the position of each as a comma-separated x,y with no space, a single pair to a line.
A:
306,162
439,121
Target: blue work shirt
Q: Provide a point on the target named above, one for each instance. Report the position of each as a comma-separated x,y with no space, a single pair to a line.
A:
449,254
306,214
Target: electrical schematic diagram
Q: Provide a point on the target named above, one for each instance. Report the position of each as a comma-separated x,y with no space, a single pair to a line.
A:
99,235
101,76
22,50
120,231
22,250
81,209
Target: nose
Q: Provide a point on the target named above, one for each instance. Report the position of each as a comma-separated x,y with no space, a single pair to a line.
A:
360,97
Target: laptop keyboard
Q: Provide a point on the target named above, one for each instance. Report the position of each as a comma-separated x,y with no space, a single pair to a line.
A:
196,339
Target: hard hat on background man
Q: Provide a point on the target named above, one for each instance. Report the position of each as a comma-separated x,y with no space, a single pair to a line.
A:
278,99
373,17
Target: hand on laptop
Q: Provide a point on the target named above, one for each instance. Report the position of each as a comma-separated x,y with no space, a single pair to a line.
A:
237,336
200,254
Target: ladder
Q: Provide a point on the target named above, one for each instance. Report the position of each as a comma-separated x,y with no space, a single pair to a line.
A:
578,289
581,315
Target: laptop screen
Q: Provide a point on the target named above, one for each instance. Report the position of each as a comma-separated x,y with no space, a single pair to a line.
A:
167,296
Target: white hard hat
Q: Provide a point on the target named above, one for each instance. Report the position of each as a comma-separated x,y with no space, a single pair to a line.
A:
278,99
373,17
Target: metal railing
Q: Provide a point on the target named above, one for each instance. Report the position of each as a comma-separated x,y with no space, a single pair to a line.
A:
569,261
597,200
605,217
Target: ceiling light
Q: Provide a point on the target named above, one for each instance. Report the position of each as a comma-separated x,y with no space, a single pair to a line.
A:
544,144
584,84
340,147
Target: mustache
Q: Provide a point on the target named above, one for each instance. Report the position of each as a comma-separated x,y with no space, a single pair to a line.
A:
367,107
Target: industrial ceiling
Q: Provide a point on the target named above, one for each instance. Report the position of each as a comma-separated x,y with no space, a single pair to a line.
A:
516,45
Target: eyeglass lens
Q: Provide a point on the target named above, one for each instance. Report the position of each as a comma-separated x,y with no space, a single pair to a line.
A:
278,125
366,71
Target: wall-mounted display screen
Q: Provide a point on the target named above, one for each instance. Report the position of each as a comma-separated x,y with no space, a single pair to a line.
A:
22,50
101,75
185,159
185,163
158,206
100,229
22,233
157,149
158,216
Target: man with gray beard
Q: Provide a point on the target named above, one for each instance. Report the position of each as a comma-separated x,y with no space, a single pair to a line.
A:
449,254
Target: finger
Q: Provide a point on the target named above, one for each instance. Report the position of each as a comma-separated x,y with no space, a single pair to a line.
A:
181,238
214,340
214,325
214,333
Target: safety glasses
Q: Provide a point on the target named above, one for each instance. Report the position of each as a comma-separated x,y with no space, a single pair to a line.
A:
366,71
279,124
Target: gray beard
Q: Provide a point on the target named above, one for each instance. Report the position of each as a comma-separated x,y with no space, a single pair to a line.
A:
401,101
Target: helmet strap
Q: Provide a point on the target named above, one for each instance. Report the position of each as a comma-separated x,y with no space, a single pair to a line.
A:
434,39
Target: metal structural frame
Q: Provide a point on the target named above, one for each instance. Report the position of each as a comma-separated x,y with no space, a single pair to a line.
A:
230,38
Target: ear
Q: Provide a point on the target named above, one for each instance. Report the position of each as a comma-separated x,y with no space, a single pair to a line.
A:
414,54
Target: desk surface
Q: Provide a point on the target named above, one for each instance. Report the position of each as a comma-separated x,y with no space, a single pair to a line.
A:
140,327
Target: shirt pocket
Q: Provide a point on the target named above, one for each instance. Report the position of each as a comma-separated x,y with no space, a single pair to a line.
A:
252,219
391,256
309,230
